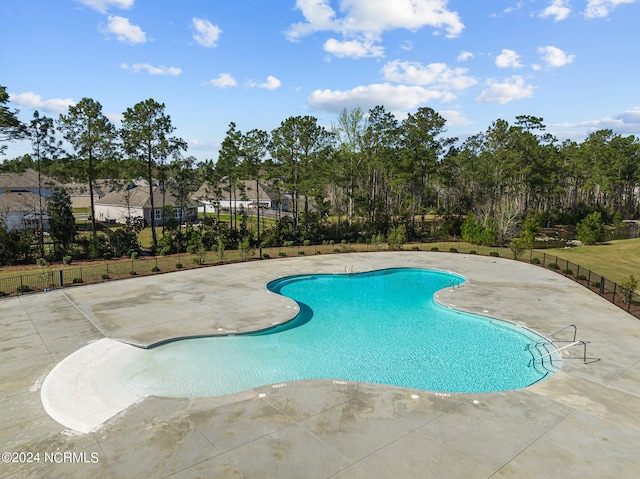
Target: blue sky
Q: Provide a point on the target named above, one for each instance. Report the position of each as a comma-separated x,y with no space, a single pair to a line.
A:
257,62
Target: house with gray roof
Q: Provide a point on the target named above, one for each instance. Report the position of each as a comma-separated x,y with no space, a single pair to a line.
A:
23,199
135,202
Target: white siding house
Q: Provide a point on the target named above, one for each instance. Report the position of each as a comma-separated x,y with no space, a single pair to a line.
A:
134,201
244,196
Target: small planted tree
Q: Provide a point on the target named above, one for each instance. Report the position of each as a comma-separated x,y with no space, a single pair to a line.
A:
517,247
591,229
397,237
628,289
246,250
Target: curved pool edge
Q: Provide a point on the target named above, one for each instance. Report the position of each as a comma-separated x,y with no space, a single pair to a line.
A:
84,390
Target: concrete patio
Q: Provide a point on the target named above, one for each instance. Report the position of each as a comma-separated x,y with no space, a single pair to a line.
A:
583,422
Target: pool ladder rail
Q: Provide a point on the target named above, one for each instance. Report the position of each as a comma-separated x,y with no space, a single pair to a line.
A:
539,350
349,270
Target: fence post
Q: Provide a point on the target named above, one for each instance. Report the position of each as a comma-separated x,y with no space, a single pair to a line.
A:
615,286
601,285
60,278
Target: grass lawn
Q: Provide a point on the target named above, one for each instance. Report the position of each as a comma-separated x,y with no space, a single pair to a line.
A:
615,260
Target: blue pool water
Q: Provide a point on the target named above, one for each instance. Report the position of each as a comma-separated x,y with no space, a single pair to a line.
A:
381,327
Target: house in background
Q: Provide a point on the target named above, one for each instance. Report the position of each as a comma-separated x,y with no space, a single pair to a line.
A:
22,201
244,196
79,192
134,201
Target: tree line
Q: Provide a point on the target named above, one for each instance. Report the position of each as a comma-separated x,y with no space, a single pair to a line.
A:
362,177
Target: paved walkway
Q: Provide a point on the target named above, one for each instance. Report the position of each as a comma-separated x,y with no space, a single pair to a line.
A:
582,422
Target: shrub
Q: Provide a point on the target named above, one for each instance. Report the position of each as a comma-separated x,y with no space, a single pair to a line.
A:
336,250
568,271
554,266
134,255
535,261
106,276
595,284
495,254
178,265
77,280
344,241
2,293
435,248
301,252
287,244
332,242
266,256
581,277
306,242
318,252
155,269
473,252
66,259
133,273
415,248
23,288
106,256
453,250
282,254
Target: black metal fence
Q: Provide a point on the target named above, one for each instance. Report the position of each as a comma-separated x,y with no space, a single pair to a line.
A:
625,298
44,279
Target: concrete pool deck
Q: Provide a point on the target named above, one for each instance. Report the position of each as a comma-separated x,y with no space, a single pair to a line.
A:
584,421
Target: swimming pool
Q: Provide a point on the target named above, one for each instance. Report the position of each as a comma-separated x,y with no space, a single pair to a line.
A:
379,327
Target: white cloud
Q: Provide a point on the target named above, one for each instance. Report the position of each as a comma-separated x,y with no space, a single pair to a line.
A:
559,10
319,15
353,48
511,89
455,118
124,31
602,8
554,57
438,75
464,56
272,83
35,102
103,5
393,97
223,80
367,20
207,33
508,59
630,116
626,122
150,69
